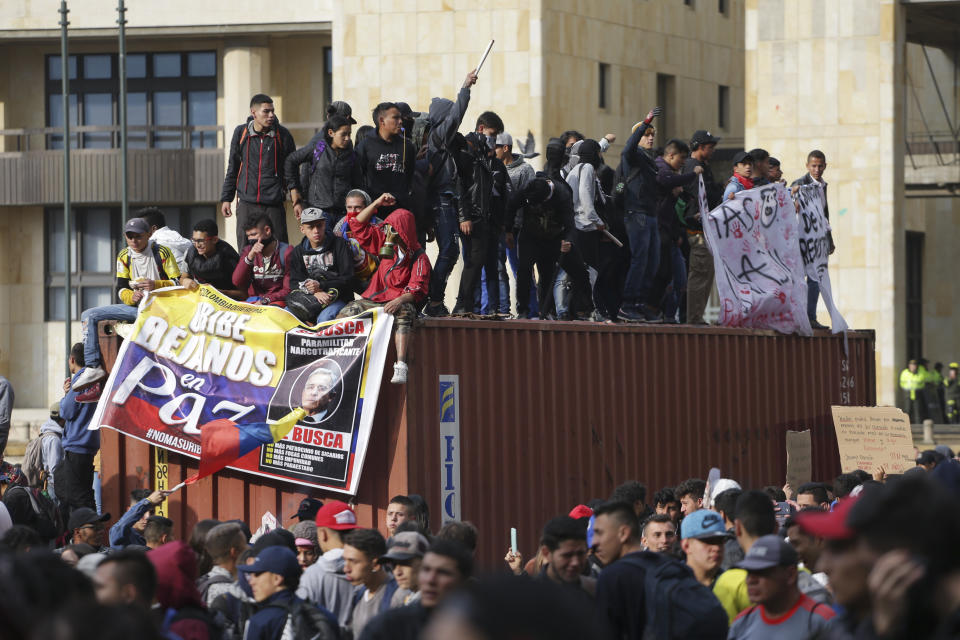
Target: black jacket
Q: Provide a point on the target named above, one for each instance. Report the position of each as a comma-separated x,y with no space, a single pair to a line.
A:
483,188
404,623
217,270
667,180
330,174
387,167
255,169
445,118
549,220
641,192
691,193
331,265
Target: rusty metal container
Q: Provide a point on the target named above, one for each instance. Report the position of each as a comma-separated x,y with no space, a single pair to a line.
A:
555,414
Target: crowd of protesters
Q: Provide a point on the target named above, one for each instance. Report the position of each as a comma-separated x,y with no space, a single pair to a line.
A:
866,556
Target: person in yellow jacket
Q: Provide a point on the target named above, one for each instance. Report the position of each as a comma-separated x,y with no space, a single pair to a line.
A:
912,381
951,392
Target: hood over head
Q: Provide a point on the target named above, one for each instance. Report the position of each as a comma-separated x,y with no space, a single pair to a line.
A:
589,152
439,109
554,153
176,566
403,221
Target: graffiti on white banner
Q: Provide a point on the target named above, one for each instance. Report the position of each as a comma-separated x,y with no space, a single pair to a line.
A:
815,243
753,238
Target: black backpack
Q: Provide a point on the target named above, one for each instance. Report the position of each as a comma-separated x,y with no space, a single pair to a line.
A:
306,621
46,518
677,606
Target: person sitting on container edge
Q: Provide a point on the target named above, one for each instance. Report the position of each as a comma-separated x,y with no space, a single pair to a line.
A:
142,266
211,261
264,266
321,267
401,281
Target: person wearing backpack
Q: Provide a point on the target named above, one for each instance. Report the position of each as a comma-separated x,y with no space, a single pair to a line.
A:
274,576
142,266
642,594
184,613
44,453
332,169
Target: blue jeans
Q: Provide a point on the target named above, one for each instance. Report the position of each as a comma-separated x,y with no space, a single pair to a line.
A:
503,279
447,229
813,294
644,239
98,491
512,259
562,290
331,310
91,318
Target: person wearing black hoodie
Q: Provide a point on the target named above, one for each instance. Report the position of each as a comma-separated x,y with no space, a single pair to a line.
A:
258,150
638,173
322,265
388,158
445,118
332,169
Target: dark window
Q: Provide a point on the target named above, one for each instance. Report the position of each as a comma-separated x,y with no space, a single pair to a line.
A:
665,98
171,89
604,84
915,243
723,106
689,3
328,74
722,6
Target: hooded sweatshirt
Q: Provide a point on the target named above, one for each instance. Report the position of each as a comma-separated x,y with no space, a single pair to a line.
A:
445,117
406,273
76,437
330,264
51,448
272,283
584,185
324,583
176,566
387,166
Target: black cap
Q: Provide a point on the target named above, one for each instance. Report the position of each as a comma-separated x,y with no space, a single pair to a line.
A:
702,136
83,516
773,162
742,156
308,509
341,108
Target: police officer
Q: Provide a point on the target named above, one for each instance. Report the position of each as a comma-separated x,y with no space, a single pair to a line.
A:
912,381
952,394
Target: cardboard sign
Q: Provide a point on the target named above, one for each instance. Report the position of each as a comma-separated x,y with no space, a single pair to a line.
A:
872,437
799,459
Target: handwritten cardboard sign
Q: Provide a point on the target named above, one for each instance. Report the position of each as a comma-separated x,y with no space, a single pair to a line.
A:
799,459
872,437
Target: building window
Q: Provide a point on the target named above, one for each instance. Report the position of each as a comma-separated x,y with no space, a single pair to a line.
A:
915,242
689,3
95,240
723,107
666,85
328,74
722,6
171,89
604,85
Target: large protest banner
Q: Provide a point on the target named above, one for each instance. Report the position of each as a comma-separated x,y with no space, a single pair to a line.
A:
815,244
873,437
753,238
198,356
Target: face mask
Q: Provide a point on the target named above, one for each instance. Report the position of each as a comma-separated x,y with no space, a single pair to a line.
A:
389,244
491,142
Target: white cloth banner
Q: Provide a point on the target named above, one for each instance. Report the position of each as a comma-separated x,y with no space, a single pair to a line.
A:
756,253
815,244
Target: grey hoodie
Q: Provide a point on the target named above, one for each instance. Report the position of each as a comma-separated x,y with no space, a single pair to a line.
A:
325,584
6,408
52,450
445,117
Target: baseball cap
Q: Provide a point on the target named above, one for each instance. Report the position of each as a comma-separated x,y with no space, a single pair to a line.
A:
55,410
279,560
767,552
723,484
742,156
84,516
341,108
580,511
954,365
773,162
702,523
311,214
504,139
405,545
702,136
336,515
308,506
136,225
830,525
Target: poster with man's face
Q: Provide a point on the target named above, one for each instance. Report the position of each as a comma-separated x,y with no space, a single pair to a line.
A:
323,378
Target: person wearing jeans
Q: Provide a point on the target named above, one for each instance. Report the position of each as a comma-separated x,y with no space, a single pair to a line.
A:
447,230
142,266
322,264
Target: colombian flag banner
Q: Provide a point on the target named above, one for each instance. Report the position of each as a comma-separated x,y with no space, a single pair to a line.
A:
249,387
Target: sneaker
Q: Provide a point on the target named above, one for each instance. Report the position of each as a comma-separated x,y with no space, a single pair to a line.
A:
459,311
399,373
627,314
91,393
435,310
816,325
88,376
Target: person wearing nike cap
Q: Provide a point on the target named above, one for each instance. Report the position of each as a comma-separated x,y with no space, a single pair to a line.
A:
702,539
324,582
780,610
405,551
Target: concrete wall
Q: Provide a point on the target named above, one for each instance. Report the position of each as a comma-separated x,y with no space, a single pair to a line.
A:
828,75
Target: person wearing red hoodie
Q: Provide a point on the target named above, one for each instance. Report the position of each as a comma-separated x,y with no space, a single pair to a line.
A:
402,280
181,606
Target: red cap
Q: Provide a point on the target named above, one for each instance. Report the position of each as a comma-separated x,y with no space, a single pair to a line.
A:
830,525
336,515
581,511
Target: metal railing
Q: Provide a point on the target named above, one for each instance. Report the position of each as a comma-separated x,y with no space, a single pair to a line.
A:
24,137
